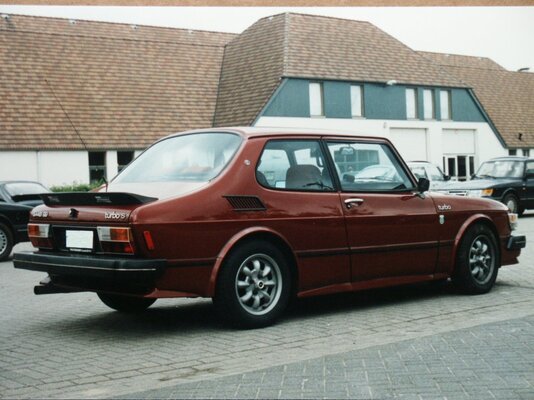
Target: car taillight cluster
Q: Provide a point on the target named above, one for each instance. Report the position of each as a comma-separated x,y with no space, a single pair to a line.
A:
115,240
39,235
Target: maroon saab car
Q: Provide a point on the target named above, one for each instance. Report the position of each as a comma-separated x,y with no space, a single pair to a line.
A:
251,217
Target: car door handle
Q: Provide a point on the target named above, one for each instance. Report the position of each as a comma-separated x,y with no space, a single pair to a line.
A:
349,203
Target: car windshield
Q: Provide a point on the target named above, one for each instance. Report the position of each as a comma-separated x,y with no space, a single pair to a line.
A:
196,157
24,188
501,169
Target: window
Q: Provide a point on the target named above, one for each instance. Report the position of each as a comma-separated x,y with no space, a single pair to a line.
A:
294,165
460,167
526,152
124,158
428,103
411,103
316,99
368,167
356,103
419,172
512,152
197,157
445,104
97,166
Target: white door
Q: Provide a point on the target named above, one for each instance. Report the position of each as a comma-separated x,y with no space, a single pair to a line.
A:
410,142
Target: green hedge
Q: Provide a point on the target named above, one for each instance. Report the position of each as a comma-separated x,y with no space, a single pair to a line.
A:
76,187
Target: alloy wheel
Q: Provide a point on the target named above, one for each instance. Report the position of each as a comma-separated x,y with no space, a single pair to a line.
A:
481,259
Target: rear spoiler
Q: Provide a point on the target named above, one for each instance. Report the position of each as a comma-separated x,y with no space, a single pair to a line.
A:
94,199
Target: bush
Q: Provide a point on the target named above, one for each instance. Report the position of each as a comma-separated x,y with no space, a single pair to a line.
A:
76,187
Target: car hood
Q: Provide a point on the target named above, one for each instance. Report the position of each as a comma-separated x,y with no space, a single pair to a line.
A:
475,184
159,190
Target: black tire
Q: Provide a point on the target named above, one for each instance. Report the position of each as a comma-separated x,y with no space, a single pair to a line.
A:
6,241
253,286
511,201
126,304
477,260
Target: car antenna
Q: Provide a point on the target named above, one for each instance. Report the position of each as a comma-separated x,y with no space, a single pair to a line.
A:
71,123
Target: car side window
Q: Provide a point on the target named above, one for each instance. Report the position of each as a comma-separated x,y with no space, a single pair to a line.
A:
435,173
368,167
529,169
294,165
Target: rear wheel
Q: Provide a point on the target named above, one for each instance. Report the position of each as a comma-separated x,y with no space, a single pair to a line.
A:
126,304
253,286
477,260
6,241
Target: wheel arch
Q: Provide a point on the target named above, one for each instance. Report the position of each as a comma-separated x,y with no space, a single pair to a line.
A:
256,233
511,191
474,219
4,220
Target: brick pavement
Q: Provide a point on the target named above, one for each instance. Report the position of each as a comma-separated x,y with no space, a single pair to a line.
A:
71,345
491,361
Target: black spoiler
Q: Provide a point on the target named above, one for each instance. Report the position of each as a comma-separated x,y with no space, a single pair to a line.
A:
94,199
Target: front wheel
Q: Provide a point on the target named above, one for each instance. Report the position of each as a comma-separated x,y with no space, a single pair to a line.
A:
253,286
477,260
6,241
126,304
512,203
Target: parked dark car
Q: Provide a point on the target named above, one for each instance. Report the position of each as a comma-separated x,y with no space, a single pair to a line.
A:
509,180
253,217
17,198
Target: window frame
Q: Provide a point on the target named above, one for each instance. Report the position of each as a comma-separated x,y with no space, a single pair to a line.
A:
394,153
449,104
95,167
432,102
415,101
291,159
321,99
362,108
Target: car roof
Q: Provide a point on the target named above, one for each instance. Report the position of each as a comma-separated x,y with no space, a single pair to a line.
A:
6,182
254,132
512,158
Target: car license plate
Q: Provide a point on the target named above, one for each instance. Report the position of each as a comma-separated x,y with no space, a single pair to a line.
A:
79,239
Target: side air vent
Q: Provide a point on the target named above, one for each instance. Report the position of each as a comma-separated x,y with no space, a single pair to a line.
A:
246,203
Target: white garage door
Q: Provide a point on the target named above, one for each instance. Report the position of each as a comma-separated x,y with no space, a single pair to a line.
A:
458,141
411,143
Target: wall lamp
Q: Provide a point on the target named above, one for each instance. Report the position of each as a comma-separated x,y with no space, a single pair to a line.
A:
391,82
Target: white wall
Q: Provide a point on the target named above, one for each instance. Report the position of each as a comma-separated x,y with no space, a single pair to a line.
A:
486,143
15,165
48,167
112,166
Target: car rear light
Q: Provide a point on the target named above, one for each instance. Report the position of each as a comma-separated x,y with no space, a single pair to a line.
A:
39,235
115,240
148,240
512,219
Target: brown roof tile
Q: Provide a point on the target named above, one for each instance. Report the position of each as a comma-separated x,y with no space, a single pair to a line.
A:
122,87
506,96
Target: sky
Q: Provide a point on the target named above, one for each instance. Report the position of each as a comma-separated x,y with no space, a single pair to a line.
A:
504,34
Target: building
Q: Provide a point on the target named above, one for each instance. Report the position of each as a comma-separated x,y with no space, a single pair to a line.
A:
79,99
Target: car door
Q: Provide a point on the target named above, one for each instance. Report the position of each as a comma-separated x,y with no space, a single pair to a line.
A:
529,183
392,230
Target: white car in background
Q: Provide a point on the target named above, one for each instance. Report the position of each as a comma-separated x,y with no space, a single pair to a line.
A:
424,169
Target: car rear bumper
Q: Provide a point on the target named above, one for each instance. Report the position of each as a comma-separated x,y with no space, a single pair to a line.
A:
108,269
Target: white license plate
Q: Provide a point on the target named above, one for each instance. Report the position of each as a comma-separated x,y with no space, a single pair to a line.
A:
79,239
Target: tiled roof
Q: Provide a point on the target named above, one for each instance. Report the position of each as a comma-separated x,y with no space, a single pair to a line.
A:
253,66
506,96
122,86
310,46
455,60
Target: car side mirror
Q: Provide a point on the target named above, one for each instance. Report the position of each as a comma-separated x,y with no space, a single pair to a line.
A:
446,177
423,185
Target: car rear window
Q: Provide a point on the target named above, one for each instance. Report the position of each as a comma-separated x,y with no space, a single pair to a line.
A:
195,157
